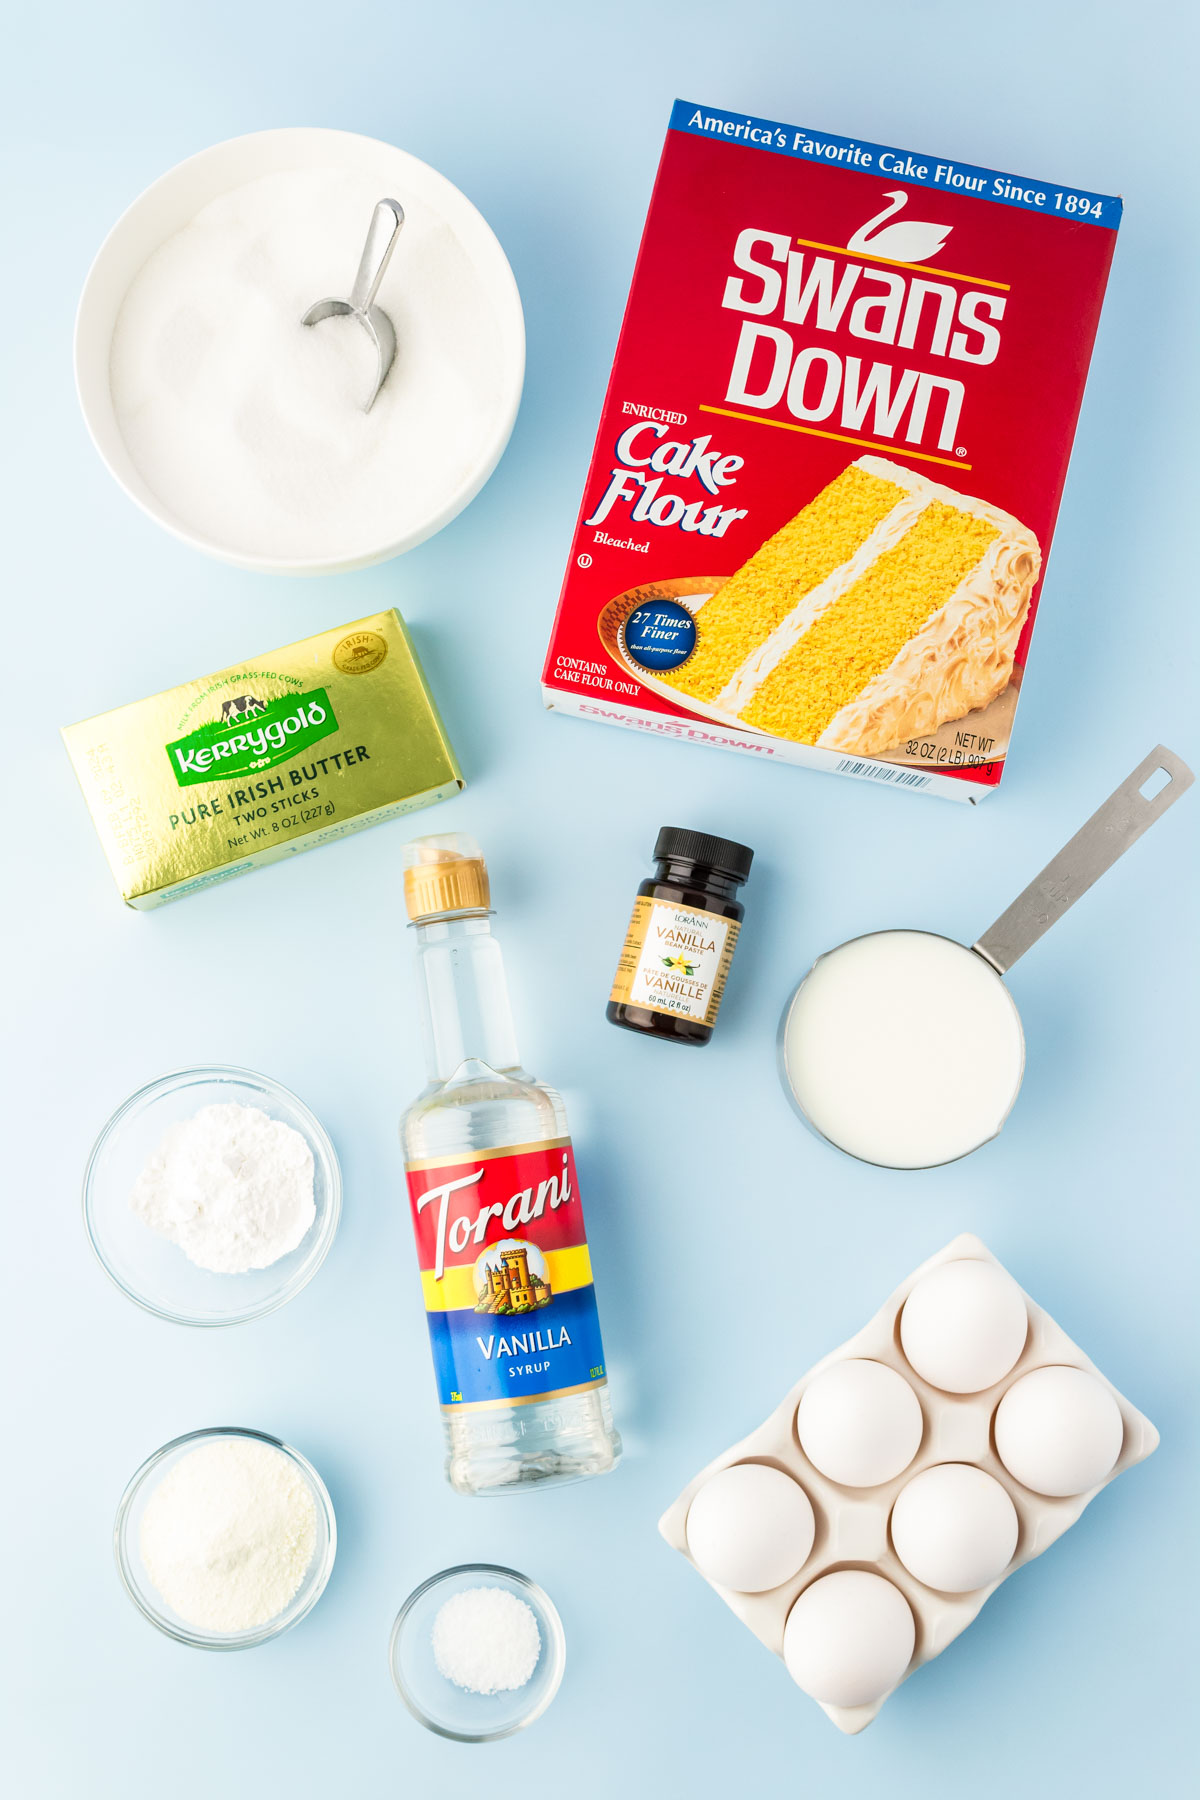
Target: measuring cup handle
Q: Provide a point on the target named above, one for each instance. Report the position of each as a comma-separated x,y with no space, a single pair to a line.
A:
1093,850
386,221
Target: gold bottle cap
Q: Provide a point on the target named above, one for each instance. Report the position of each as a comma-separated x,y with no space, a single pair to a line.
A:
445,875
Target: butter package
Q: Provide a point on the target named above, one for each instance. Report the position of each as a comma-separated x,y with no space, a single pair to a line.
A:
831,453
262,760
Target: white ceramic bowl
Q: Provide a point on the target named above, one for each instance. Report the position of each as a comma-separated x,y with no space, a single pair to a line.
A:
172,202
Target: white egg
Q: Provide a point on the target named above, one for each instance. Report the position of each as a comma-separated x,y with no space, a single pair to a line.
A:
849,1638
750,1527
859,1423
1059,1431
963,1326
954,1527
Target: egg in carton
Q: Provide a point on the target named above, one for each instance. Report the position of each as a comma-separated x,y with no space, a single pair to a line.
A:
862,1526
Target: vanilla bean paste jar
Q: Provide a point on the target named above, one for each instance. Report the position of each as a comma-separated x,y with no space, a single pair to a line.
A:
681,938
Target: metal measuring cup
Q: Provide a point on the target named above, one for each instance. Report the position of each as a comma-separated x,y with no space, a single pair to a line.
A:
386,222
1110,831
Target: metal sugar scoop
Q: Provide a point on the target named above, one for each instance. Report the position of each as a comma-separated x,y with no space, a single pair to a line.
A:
904,1048
386,222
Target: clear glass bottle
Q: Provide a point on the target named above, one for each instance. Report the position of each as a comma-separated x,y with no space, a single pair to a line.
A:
512,1318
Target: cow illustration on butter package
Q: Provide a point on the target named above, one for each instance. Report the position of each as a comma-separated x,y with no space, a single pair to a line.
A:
831,454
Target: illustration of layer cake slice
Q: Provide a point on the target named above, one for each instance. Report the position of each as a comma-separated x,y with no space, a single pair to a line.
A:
888,606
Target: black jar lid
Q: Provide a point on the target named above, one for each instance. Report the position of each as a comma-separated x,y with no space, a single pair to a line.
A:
681,845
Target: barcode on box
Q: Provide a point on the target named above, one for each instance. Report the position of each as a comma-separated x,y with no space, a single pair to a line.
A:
868,771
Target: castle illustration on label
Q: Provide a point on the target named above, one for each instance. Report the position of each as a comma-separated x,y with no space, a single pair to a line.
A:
511,1286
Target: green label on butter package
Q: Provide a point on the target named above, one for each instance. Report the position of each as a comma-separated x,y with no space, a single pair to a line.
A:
252,734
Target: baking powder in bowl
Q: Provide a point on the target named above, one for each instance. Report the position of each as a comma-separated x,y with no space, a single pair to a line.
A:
249,426
228,1534
231,1186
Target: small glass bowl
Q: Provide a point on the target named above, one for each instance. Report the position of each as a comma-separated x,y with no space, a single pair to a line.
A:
152,1271
143,1593
455,1712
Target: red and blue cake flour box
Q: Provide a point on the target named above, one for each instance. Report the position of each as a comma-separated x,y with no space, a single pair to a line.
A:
831,453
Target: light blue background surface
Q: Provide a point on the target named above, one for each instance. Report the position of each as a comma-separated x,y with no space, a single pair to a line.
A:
551,117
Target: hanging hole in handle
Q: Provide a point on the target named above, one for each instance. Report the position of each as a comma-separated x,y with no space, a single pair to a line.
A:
1155,782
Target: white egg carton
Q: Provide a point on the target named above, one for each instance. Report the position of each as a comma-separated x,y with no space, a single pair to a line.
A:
852,1529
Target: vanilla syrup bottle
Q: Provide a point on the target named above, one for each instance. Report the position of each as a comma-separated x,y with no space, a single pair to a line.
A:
499,1225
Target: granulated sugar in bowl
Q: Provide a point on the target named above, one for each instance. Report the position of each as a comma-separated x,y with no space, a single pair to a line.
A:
245,433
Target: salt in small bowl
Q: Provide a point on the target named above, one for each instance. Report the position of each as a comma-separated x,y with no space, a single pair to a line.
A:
455,1712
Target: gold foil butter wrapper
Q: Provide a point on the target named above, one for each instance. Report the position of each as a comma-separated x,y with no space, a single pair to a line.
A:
264,759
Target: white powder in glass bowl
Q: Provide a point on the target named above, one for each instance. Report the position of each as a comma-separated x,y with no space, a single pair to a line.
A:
231,1186
249,427
228,1534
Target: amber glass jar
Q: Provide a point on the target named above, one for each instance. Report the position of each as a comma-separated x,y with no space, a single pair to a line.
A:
681,938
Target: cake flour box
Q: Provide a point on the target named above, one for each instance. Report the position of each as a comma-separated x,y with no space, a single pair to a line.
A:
831,453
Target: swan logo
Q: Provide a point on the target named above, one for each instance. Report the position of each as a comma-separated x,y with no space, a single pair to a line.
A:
910,241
